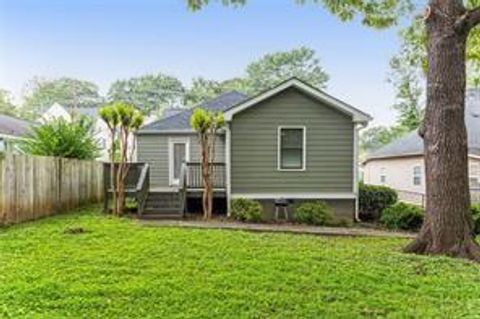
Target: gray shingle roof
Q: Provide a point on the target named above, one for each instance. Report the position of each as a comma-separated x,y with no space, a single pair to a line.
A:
181,121
412,144
13,126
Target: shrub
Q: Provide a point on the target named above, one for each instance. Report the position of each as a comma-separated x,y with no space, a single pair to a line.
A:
410,217
314,213
373,200
247,210
475,209
403,216
63,139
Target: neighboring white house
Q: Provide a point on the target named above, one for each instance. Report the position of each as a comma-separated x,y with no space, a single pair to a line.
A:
400,164
102,134
56,111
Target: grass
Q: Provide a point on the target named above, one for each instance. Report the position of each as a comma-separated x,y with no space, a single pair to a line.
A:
119,269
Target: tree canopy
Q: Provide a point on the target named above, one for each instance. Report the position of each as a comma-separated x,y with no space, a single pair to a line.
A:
202,89
6,104
409,67
374,13
151,93
42,93
262,74
274,68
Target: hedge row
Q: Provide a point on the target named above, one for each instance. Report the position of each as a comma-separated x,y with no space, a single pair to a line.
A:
312,213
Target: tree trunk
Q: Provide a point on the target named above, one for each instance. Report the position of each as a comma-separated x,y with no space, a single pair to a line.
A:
121,173
207,187
447,228
112,175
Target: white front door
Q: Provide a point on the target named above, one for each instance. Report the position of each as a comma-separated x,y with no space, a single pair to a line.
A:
178,154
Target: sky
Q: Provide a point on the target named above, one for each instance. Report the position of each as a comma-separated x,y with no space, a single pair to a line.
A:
106,40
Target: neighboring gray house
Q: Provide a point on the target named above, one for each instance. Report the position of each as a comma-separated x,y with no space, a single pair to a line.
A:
292,141
400,164
11,131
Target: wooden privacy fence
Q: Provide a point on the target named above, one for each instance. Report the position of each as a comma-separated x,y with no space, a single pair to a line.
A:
34,186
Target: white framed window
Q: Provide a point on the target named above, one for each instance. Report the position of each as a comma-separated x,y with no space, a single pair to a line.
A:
178,153
383,175
291,147
474,174
417,175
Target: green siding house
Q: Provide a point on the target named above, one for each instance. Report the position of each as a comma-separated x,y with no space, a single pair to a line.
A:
291,142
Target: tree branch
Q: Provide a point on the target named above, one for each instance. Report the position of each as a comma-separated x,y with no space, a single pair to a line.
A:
468,20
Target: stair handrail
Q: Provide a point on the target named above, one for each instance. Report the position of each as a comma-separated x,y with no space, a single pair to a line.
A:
143,186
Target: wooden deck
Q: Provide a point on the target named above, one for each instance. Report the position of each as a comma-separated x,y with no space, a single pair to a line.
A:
169,201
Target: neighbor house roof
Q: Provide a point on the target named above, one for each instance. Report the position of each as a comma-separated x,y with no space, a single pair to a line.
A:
13,126
412,144
181,121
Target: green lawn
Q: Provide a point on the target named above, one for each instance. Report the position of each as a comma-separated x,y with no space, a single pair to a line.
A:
119,269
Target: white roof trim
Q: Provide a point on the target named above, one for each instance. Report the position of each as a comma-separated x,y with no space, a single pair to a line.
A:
295,195
357,115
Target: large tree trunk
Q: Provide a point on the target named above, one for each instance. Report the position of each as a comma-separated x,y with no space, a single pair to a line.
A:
447,228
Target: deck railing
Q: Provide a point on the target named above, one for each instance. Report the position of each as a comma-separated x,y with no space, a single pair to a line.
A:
194,175
137,184
191,179
131,180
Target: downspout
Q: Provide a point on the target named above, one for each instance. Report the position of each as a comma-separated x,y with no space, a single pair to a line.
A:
228,138
357,127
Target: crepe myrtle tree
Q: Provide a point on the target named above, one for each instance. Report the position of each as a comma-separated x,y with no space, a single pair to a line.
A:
447,227
206,124
122,121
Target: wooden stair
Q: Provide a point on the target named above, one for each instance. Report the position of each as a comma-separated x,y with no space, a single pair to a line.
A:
162,205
